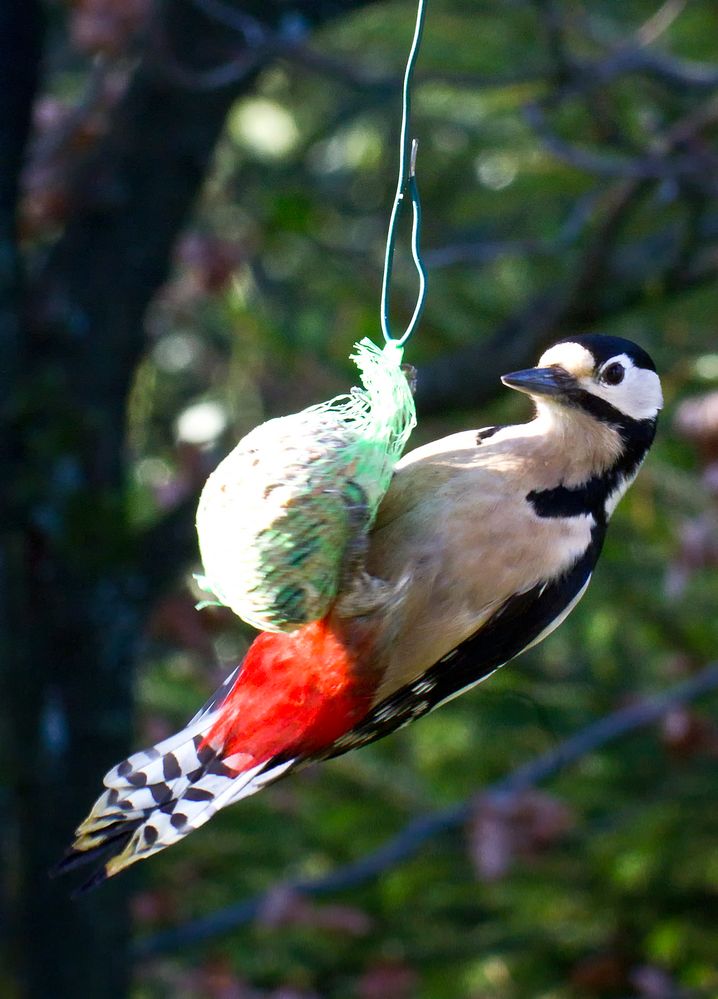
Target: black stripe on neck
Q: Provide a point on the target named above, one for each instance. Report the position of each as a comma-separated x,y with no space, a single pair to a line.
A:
591,496
600,410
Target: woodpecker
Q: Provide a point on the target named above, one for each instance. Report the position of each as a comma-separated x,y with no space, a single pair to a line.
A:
485,542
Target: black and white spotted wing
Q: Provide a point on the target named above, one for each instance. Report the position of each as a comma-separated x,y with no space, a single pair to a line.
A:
519,623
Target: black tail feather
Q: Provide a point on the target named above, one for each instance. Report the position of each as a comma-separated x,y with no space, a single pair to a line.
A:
115,843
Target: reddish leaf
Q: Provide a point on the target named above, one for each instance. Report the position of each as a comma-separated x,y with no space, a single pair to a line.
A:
216,979
696,420
388,980
106,25
697,549
157,906
44,207
492,841
290,992
600,973
653,983
510,825
686,733
285,907
210,261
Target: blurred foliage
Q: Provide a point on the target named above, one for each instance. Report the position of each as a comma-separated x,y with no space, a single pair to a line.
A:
276,277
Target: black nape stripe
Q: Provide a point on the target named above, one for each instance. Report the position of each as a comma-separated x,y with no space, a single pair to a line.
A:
602,410
572,501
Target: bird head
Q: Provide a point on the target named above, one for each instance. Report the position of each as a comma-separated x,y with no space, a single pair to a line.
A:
607,377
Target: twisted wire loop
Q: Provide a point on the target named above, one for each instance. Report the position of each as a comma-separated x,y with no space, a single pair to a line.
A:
283,521
406,188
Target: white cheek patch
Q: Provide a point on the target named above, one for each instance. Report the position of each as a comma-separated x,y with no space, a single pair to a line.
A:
639,395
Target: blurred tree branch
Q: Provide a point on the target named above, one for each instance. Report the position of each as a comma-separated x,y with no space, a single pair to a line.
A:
574,74
416,833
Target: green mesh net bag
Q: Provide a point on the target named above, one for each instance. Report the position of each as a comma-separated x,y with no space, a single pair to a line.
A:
282,522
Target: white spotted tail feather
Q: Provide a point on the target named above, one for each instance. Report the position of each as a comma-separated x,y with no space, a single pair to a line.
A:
287,703
158,796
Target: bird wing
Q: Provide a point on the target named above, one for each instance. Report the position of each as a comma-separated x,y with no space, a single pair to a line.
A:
523,620
465,549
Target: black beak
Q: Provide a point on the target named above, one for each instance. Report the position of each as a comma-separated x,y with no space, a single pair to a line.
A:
541,381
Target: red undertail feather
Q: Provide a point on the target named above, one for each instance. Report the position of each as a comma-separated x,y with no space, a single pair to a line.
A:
296,694
291,699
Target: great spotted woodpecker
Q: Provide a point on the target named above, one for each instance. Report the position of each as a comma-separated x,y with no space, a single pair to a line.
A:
487,540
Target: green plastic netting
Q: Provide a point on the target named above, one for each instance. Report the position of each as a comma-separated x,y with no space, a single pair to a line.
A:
282,522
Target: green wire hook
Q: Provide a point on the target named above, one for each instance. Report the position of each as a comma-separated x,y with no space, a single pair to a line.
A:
406,185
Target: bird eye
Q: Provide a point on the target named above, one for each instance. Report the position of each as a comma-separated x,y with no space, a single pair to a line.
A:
613,374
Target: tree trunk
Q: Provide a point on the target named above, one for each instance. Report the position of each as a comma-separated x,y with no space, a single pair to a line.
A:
75,583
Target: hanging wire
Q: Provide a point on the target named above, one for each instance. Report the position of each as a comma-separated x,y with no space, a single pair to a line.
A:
406,186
